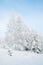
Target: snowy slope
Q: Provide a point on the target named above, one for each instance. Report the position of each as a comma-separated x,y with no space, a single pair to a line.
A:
20,58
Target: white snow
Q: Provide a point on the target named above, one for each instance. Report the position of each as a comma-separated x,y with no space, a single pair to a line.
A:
20,58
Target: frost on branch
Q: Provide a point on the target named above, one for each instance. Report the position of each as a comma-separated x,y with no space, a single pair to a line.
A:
19,37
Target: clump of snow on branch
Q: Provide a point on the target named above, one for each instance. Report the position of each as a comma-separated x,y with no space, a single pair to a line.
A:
19,37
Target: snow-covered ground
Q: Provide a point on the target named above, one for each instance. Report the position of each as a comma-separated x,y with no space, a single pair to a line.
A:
20,58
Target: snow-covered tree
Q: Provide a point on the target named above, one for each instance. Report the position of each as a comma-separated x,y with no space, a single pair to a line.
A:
36,44
19,37
14,32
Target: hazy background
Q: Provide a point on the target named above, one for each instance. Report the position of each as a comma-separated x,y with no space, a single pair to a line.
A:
30,10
